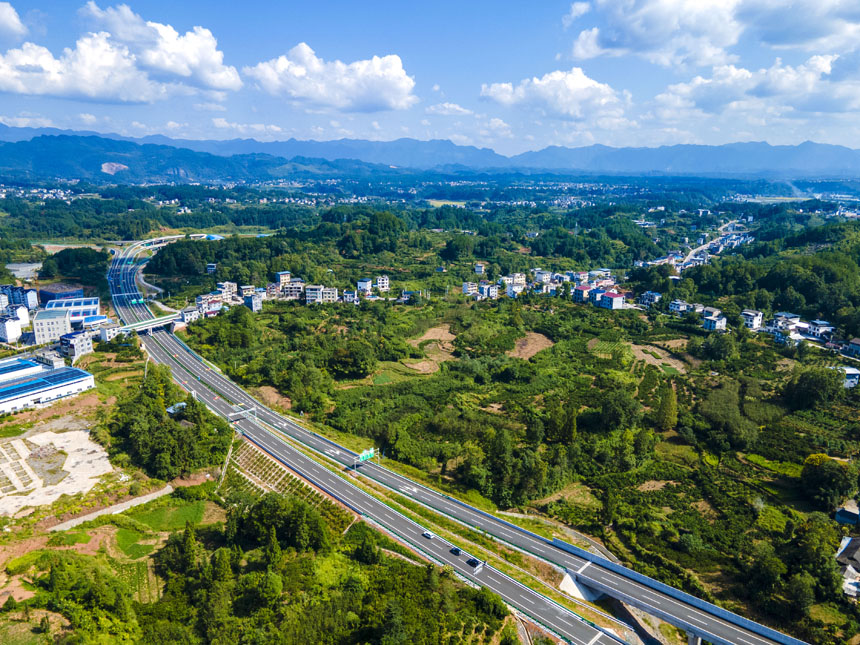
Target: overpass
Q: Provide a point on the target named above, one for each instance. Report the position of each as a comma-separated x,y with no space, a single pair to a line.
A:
152,323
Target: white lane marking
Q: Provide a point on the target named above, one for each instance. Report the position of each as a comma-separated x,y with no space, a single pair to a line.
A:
596,638
528,600
695,620
584,566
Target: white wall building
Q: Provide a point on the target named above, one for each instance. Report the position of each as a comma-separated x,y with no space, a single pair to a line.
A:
49,386
318,293
10,329
753,318
382,283
50,324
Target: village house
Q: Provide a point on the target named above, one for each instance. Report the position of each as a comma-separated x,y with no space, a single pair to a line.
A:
752,318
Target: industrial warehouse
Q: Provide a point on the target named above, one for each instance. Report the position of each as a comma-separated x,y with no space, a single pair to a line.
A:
26,383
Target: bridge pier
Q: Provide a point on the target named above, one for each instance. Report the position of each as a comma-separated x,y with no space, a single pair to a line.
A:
692,639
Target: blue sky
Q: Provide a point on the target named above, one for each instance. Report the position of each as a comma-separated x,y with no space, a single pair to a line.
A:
512,76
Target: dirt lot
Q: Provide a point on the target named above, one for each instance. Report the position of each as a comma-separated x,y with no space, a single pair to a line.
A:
653,485
530,345
640,352
272,397
437,346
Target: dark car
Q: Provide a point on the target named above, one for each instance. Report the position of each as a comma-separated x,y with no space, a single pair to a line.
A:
473,562
455,550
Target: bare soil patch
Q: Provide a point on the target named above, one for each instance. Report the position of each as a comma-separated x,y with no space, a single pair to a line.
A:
272,397
705,509
575,493
438,347
674,344
123,375
641,353
424,367
530,345
653,485
592,344
441,333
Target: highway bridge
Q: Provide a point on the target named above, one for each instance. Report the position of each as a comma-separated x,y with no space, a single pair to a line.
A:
699,619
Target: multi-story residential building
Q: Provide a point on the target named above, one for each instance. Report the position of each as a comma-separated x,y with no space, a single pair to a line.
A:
282,278
209,304
650,298
293,290
480,269
76,344
715,323
488,290
709,312
518,279
351,297
543,276
10,329
580,293
211,268
4,301
247,290
109,332
50,324
611,300
254,302
513,290
753,318
315,293
228,290
680,307
20,312
20,296
470,287
382,283
365,286
819,328
189,315
594,295
273,290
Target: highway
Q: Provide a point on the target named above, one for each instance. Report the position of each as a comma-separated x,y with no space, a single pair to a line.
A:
710,623
163,348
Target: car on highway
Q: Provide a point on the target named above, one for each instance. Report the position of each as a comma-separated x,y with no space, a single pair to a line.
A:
473,562
455,550
428,535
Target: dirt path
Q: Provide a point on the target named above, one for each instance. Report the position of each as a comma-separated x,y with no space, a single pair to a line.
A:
530,345
113,510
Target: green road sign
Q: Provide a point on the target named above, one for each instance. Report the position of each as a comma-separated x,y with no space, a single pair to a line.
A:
367,455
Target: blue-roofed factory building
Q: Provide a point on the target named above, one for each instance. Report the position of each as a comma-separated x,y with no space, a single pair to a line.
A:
25,384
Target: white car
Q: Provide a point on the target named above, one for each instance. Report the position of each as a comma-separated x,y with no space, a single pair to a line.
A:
428,535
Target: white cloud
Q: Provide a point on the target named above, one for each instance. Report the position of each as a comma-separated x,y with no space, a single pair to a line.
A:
794,91
96,69
246,128
703,32
577,9
666,32
495,128
379,83
87,118
448,109
568,95
26,121
10,23
193,57
210,106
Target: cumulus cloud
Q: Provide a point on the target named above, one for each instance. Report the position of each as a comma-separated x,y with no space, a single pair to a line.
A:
246,128
577,9
193,57
87,118
448,109
666,32
703,32
371,85
10,22
787,91
570,95
26,121
96,69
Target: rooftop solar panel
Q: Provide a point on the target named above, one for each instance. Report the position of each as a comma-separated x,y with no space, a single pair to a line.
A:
37,383
14,366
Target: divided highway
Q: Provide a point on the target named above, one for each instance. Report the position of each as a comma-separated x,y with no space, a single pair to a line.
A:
695,617
164,348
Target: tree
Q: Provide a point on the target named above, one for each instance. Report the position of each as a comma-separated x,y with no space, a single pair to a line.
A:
800,592
273,549
667,411
619,409
766,571
813,386
825,480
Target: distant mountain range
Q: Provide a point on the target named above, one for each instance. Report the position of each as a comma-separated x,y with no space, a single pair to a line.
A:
48,152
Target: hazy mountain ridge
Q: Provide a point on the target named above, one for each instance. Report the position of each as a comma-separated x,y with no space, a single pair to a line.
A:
159,157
